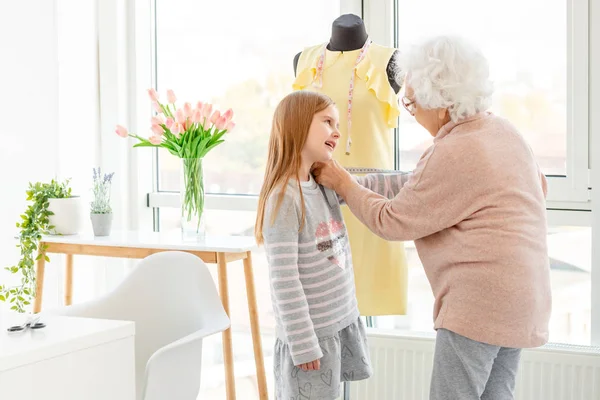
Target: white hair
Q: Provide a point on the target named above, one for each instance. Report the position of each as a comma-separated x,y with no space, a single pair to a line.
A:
447,72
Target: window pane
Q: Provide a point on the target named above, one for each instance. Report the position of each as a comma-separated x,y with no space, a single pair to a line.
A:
235,54
570,251
528,67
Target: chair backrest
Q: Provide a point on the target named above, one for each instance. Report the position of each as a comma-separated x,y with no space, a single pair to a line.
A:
169,295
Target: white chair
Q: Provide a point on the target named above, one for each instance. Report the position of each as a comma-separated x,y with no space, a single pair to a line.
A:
174,303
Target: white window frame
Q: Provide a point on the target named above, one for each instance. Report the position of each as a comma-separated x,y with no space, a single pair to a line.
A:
157,199
570,192
594,97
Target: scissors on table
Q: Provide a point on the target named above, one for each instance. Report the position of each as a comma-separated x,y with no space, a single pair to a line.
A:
33,322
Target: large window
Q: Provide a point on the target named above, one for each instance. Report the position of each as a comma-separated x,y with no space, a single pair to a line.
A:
236,54
528,67
539,75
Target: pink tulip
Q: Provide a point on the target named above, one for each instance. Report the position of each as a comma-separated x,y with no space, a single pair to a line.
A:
188,110
207,110
177,129
221,123
230,126
155,139
169,122
180,116
157,108
122,131
153,95
200,106
157,130
206,124
171,98
158,120
215,117
197,116
228,114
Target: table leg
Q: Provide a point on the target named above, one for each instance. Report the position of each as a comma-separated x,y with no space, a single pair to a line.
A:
255,328
227,340
68,279
39,280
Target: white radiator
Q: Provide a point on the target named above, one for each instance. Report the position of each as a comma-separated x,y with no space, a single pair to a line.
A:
402,366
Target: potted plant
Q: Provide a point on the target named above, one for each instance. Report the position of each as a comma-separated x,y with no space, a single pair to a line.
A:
101,212
188,133
66,211
35,222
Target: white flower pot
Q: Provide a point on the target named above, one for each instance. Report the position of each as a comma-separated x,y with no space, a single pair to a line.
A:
67,216
101,224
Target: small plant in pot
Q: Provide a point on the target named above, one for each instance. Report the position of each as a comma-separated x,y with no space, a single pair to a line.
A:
101,212
35,222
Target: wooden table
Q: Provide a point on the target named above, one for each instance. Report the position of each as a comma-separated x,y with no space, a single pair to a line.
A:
127,244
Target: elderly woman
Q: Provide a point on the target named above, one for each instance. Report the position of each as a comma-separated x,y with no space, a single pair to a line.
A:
475,208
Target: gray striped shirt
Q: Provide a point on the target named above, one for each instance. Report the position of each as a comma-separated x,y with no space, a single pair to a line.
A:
312,280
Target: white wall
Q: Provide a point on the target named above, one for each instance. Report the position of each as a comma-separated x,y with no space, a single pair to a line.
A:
28,111
28,105
49,110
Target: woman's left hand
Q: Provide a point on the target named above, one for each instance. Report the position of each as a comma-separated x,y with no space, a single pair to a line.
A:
331,175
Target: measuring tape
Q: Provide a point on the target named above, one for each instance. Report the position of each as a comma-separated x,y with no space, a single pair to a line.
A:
360,170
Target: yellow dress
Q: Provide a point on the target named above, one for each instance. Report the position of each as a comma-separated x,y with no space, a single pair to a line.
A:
380,267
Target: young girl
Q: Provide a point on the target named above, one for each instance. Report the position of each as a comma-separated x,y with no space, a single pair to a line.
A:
321,340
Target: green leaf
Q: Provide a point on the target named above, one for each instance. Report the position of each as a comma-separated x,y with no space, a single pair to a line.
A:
201,146
145,144
33,223
46,258
2,298
209,148
218,135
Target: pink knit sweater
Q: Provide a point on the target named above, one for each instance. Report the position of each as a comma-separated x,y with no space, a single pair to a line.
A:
475,207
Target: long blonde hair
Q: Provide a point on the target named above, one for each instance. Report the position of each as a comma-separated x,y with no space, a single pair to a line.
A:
291,123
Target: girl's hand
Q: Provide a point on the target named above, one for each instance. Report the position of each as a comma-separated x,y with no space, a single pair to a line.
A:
311,366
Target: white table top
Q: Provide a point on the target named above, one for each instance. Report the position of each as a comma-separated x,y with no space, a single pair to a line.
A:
61,335
171,240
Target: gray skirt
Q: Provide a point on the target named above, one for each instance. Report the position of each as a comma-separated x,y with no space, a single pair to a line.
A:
345,358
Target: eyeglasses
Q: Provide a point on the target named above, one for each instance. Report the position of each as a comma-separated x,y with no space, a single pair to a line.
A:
409,105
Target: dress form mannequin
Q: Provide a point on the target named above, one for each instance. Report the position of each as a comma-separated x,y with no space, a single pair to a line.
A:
348,33
358,75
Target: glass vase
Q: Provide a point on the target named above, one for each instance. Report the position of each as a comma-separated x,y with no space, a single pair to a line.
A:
193,227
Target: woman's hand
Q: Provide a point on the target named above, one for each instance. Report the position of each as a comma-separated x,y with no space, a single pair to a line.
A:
311,366
331,175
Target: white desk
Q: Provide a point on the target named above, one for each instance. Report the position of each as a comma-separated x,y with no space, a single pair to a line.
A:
69,359
213,249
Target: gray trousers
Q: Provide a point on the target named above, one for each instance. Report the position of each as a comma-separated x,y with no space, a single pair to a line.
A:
464,369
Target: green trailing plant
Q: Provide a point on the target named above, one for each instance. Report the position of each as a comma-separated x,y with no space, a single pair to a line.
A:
34,223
